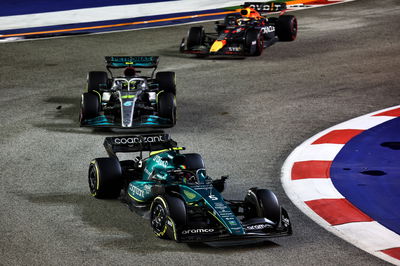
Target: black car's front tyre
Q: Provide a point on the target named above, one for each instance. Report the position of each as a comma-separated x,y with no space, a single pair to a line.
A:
167,106
105,178
90,106
286,28
167,213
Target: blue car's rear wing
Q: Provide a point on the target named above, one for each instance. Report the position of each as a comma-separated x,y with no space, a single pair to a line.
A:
266,7
138,143
132,61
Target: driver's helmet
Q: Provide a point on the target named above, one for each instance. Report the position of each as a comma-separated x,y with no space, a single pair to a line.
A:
129,72
249,12
243,21
188,177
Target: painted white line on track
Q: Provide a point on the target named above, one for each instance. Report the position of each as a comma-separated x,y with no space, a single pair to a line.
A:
367,235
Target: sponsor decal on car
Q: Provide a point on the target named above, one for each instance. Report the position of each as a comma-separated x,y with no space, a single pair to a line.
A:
198,231
133,140
159,160
136,190
257,226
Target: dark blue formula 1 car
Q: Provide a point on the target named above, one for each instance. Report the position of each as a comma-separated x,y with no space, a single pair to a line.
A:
184,203
129,100
244,33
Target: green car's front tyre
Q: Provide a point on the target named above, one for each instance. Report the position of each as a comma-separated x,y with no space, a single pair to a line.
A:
166,214
105,178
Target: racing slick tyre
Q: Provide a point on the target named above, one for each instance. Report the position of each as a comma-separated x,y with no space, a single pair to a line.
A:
90,106
167,208
167,106
95,79
105,178
195,37
263,203
254,42
286,28
166,81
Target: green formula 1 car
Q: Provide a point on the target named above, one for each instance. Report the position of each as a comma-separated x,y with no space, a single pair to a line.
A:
184,203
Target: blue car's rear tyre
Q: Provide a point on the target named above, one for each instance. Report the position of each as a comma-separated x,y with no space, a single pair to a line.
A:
286,28
105,178
167,213
96,79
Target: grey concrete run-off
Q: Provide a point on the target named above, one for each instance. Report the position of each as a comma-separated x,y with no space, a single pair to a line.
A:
244,115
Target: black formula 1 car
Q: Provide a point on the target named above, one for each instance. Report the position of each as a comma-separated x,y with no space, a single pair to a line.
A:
129,100
245,33
184,204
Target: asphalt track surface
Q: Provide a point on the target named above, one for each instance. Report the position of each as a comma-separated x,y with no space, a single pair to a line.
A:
244,116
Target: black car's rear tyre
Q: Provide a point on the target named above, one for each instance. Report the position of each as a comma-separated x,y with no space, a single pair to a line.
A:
286,28
167,106
166,81
105,178
263,203
254,42
166,214
195,37
95,79
90,106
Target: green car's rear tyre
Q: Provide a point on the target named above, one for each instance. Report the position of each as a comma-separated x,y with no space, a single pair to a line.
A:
105,178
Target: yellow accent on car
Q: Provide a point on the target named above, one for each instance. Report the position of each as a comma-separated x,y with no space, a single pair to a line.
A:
165,206
128,96
135,198
98,94
217,45
164,150
157,95
189,194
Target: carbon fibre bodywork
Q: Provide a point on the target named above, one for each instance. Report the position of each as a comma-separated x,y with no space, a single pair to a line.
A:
241,34
127,101
195,210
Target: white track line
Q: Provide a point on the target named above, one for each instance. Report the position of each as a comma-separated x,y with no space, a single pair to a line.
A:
369,236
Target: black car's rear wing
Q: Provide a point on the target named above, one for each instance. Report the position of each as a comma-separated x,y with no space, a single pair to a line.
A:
138,143
132,61
266,7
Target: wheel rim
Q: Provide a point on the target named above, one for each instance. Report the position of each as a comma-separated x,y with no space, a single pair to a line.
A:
294,29
158,218
92,180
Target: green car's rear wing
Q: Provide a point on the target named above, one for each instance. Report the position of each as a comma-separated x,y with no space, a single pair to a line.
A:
132,61
266,7
138,143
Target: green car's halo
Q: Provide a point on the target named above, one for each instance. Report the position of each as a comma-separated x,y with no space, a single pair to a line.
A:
184,203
